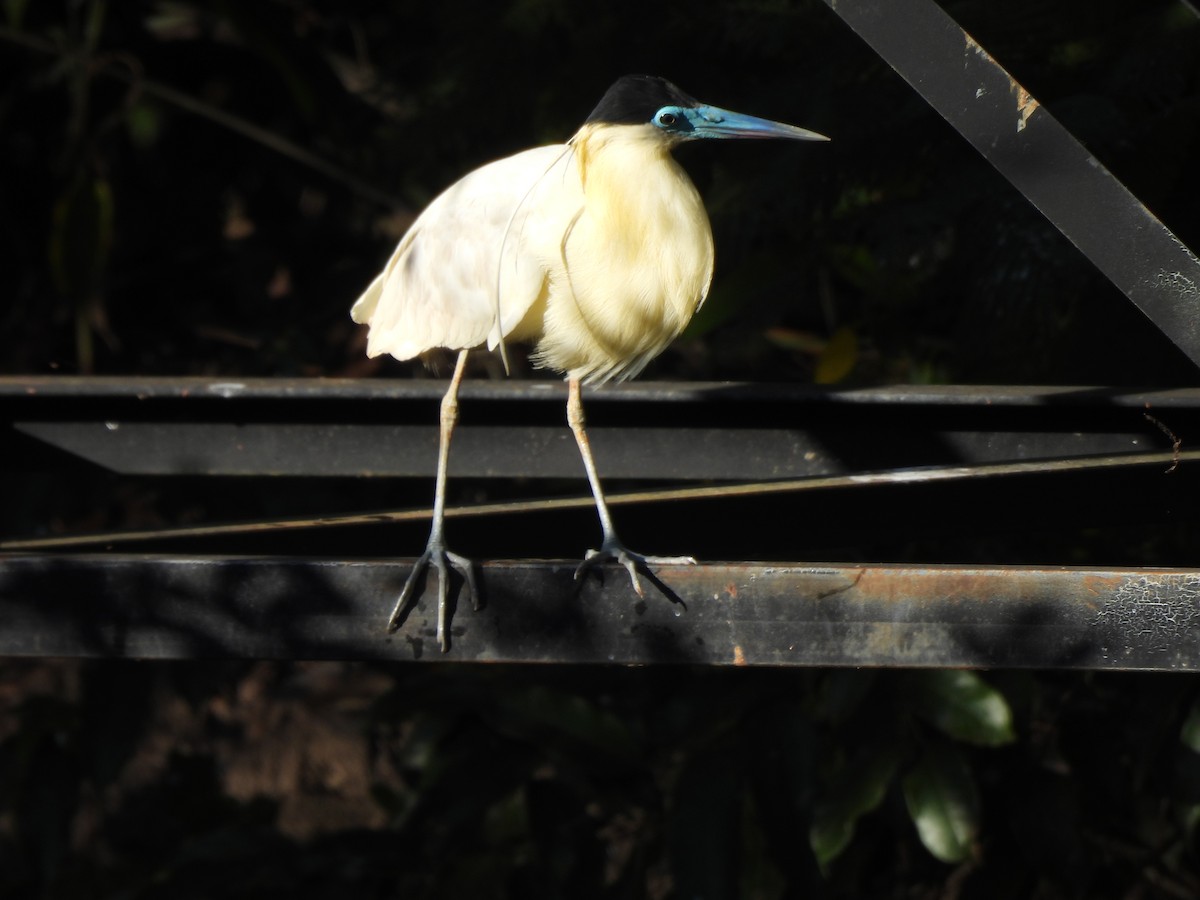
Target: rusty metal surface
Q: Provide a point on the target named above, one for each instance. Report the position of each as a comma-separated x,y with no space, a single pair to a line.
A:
740,614
1055,172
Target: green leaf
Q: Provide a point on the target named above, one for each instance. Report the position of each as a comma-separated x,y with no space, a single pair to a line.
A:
963,706
81,236
14,12
838,358
1190,816
1190,733
144,123
507,820
758,875
857,790
943,803
856,264
549,718
704,829
795,339
841,692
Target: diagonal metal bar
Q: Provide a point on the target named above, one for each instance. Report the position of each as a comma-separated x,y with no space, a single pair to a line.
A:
1095,211
737,614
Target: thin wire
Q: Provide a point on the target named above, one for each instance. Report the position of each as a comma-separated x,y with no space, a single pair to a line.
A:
920,475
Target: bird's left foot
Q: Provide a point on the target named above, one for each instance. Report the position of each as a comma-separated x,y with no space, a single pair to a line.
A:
614,551
441,559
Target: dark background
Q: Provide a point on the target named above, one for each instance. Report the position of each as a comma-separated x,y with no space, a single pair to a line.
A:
205,188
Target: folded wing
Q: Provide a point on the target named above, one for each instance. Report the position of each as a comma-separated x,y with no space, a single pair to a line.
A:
477,259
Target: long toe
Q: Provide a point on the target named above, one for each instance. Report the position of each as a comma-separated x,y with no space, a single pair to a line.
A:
442,560
410,587
668,560
630,562
614,551
439,563
466,569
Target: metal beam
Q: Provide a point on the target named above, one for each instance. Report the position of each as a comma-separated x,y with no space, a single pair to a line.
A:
744,614
516,429
1017,135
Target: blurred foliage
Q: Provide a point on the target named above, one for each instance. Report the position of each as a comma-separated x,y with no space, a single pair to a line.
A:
205,187
320,779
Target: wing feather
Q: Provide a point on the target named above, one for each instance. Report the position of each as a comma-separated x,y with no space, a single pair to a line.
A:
476,260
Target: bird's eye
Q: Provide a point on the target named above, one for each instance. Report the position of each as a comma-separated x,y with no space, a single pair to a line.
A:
666,119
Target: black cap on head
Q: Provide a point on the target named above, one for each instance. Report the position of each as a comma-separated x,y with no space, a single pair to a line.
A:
634,99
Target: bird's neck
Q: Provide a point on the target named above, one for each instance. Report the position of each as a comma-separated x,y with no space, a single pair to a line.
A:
618,151
638,256
629,177
605,147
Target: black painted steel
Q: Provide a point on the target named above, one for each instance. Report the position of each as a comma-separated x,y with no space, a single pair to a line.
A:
642,431
187,606
1058,175
739,614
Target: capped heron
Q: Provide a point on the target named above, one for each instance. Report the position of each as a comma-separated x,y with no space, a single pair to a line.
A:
597,251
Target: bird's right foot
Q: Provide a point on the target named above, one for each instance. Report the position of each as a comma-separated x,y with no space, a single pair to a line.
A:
613,550
442,560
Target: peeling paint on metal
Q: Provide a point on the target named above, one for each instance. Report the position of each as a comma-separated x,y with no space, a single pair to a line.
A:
1161,608
973,47
1026,106
1179,284
1186,250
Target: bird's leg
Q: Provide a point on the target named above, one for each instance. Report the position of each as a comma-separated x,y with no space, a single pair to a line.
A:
611,546
435,551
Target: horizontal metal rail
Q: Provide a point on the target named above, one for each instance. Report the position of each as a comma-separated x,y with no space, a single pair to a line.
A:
187,606
737,614
328,428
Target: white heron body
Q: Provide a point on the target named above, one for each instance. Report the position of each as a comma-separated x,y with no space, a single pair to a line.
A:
598,251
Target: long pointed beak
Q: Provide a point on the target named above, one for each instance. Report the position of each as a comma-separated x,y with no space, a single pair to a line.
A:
721,124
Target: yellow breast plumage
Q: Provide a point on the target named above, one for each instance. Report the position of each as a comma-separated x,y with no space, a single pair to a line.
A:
636,261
